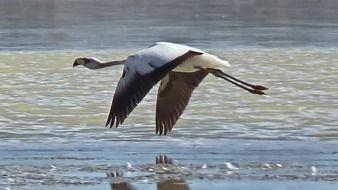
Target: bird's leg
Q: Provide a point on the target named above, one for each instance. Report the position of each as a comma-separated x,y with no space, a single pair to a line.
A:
253,91
256,89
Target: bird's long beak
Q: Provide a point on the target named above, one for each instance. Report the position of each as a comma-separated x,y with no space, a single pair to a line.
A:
78,61
75,64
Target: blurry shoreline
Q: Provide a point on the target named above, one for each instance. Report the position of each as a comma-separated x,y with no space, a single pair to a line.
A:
54,25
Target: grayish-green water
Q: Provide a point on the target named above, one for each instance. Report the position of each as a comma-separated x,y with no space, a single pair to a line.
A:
45,98
52,116
52,125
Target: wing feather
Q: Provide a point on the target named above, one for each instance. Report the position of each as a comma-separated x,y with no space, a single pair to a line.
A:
135,84
173,97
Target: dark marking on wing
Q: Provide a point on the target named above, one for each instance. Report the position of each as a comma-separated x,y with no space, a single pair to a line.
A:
174,97
133,87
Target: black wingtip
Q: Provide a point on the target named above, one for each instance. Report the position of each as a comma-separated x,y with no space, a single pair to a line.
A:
162,131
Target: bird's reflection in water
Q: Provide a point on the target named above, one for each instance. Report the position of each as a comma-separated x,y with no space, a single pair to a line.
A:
119,185
163,159
164,182
172,184
169,184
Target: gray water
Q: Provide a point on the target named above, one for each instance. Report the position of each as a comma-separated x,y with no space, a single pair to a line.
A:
52,115
83,24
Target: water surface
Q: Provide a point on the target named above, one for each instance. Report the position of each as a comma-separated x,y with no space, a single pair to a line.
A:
44,96
222,164
82,24
52,133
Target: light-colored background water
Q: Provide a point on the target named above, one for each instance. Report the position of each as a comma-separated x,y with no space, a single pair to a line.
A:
43,96
52,115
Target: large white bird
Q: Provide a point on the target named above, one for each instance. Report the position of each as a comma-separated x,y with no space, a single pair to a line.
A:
180,69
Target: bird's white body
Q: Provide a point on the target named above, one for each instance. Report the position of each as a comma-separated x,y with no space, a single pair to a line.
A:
163,52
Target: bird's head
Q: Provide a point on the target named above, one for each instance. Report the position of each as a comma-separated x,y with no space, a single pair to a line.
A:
89,62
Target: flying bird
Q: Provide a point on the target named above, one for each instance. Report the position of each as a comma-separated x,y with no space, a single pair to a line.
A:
180,68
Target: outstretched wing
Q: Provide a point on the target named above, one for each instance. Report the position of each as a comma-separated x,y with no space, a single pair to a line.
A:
139,76
173,97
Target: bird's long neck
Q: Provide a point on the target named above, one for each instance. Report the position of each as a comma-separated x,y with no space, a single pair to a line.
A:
99,65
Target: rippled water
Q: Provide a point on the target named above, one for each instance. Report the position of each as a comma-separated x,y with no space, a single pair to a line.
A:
52,116
44,97
53,136
194,164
